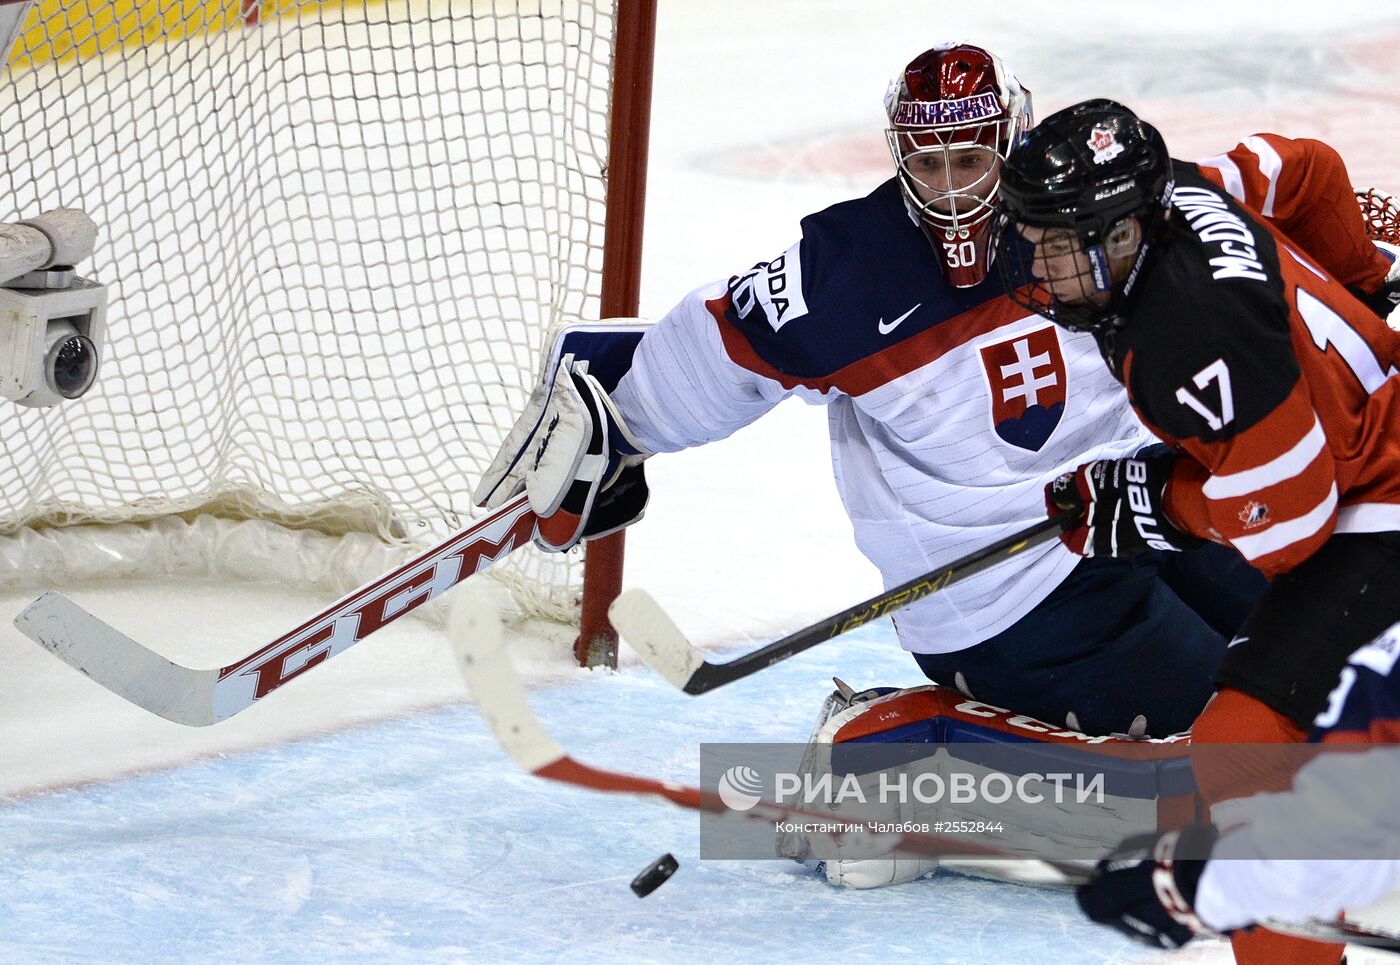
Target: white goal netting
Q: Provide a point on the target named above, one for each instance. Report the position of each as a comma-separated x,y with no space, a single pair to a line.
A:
334,235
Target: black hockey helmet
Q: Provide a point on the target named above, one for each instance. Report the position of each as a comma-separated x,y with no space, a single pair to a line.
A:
1082,173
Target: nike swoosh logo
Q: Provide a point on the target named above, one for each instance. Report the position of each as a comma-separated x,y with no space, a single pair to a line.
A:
886,329
1236,641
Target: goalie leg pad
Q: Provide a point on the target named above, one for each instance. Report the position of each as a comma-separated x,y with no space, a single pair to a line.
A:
1152,787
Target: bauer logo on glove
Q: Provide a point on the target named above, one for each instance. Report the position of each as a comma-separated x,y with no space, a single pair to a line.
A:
1122,502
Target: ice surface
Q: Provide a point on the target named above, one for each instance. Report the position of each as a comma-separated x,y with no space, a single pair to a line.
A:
417,840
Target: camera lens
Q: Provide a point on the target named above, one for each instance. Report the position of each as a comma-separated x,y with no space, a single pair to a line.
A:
72,366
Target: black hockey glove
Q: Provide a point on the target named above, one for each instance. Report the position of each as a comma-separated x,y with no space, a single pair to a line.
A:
618,506
1383,301
1146,889
1122,505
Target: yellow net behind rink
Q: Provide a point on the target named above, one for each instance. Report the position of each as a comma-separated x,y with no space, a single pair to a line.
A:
334,238
58,29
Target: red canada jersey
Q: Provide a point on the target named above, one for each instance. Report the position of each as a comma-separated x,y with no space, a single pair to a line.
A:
1242,352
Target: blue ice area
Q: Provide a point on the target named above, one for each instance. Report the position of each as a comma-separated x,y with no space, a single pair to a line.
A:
416,840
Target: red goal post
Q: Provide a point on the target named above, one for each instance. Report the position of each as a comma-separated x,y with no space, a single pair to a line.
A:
622,278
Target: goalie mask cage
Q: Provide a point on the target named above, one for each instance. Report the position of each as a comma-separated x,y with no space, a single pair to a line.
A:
335,238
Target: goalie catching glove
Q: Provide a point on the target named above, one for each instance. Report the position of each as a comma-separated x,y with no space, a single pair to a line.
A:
1146,889
1121,506
571,453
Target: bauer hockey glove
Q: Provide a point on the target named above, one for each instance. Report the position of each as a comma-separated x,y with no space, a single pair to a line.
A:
1146,888
1121,502
572,455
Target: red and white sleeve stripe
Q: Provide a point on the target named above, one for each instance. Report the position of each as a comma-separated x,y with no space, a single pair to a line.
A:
1251,170
1272,492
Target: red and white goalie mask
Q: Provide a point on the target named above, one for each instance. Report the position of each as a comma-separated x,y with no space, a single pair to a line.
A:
955,112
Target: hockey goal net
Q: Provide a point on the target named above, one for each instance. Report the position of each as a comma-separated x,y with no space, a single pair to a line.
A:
335,238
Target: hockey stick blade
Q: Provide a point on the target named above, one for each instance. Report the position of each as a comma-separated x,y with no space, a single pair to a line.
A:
654,635
478,643
198,698
499,694
118,662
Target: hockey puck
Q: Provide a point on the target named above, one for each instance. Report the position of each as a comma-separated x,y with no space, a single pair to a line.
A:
654,875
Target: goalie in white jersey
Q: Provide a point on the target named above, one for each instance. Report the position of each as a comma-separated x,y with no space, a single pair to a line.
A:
950,409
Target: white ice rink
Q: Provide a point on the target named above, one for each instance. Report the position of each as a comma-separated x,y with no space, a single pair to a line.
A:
363,814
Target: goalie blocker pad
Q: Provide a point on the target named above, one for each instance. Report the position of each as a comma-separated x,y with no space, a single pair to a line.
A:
1146,783
569,450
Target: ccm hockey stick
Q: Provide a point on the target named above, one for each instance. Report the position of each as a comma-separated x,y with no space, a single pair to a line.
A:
496,688
653,634
198,698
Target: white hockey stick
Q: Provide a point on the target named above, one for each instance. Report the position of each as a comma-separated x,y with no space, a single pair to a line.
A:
201,697
475,629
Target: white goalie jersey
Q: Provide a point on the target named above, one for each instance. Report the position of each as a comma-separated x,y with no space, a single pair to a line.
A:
949,409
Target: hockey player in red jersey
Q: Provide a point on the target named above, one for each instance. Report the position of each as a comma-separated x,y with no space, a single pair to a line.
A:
1273,388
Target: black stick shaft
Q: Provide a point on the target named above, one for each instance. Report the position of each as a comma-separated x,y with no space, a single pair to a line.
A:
712,675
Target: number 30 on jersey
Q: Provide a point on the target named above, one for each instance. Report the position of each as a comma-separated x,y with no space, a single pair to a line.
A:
960,254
